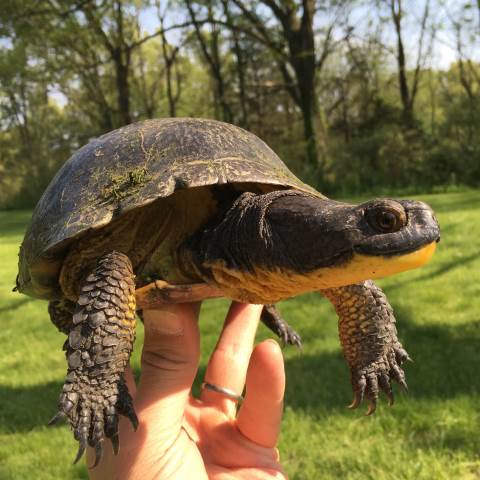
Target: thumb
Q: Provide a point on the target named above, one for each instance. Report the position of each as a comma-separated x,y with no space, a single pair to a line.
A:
169,363
170,358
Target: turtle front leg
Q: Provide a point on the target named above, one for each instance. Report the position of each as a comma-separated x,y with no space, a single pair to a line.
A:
159,293
98,350
369,341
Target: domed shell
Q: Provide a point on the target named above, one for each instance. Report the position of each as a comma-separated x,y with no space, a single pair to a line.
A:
132,167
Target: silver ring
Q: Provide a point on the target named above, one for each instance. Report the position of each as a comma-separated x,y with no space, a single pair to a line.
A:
223,391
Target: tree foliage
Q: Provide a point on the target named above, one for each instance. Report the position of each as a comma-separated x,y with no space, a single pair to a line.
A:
352,94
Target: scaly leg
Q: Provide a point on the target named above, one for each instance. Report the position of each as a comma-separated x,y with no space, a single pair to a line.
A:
61,313
98,349
369,340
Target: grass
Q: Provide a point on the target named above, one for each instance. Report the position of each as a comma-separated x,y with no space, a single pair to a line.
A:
433,432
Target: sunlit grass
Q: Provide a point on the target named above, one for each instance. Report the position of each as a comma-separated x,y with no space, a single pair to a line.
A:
431,433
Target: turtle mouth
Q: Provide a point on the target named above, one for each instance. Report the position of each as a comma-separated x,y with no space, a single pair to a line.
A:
384,251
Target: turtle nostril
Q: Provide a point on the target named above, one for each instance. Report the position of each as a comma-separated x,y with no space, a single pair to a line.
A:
438,239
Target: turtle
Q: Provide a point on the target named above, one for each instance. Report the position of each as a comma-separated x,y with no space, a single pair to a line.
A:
186,209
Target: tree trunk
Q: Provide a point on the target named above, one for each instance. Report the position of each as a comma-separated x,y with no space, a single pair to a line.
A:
212,58
300,37
240,65
123,89
171,102
396,9
169,62
408,95
309,131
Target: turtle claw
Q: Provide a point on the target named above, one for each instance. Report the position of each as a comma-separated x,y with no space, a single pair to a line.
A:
359,392
57,418
386,387
372,393
291,337
399,376
377,377
132,416
115,444
404,385
98,454
401,355
356,402
125,405
372,406
92,421
273,320
81,449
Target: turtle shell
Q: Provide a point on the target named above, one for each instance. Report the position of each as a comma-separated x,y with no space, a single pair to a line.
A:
130,168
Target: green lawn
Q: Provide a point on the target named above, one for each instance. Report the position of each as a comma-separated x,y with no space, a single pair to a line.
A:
431,433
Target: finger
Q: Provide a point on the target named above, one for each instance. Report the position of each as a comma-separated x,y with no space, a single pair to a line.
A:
260,415
169,364
228,364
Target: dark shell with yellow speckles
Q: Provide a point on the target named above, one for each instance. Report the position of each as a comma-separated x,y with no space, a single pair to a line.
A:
131,167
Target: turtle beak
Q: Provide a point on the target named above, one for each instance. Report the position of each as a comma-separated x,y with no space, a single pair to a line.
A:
423,218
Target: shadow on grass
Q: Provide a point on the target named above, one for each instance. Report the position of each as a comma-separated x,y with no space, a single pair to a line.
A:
16,304
27,407
446,365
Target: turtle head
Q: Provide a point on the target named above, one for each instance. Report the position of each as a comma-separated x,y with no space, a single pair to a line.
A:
276,245
340,243
391,236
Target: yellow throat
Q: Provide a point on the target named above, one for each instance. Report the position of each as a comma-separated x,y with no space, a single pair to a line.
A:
270,286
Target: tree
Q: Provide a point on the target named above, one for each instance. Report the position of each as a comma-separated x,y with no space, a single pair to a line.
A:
293,39
408,93
210,49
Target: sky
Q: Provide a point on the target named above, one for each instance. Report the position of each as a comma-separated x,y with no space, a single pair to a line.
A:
443,53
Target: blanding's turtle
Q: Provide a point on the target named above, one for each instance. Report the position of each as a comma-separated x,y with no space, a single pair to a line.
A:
176,210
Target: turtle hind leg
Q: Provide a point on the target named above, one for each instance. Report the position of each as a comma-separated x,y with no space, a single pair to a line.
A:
273,320
98,350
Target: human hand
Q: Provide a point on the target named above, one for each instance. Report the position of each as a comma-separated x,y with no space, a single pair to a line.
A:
181,437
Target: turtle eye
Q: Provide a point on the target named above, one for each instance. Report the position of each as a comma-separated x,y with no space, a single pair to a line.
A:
386,220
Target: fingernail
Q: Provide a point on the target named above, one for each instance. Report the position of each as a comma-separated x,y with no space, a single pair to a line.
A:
167,321
274,342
